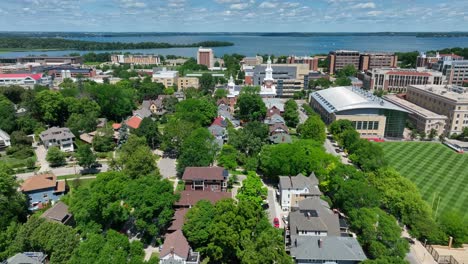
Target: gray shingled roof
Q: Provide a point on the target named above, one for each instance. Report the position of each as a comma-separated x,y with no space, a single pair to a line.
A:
298,182
332,248
314,215
27,258
57,133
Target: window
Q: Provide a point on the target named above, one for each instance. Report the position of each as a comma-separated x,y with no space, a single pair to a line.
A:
364,125
376,125
45,195
359,125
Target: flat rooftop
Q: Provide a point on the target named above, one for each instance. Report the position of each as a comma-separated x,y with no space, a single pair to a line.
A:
413,107
451,92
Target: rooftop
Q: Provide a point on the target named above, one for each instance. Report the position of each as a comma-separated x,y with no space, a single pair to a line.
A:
313,214
276,102
178,219
36,76
38,182
326,248
451,92
27,257
413,107
134,122
58,213
205,173
175,243
344,98
57,133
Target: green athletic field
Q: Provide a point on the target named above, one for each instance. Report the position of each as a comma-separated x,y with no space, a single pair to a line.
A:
437,170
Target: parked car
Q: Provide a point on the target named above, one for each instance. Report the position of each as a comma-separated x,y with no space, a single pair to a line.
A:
410,240
276,222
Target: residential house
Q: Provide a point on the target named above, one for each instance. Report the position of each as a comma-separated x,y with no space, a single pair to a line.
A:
273,111
178,220
274,119
4,139
27,258
293,189
279,133
203,183
58,214
225,112
60,137
152,107
218,130
314,236
42,189
180,95
134,122
176,250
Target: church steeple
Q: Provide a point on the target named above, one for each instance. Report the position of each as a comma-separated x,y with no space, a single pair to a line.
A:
268,71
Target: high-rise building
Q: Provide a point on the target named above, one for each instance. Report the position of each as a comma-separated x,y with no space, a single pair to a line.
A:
288,78
311,61
340,58
430,61
396,80
457,72
448,100
205,57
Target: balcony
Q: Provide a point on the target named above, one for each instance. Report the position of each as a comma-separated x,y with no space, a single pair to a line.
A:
193,258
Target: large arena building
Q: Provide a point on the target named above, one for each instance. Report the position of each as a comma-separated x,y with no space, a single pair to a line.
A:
372,116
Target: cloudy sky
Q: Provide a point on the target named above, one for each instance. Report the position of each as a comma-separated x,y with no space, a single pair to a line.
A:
234,15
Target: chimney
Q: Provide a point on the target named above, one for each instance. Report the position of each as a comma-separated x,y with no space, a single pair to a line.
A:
320,243
295,242
450,242
172,251
308,215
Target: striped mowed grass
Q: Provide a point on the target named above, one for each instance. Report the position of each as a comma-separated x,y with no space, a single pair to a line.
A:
440,173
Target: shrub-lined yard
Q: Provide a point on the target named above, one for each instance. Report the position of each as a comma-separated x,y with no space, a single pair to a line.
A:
437,171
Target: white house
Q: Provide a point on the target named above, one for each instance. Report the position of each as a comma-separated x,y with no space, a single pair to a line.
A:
293,189
4,139
59,137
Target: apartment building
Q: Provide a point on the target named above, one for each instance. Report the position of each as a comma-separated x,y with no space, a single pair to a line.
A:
136,59
448,100
340,58
187,82
205,57
361,61
396,80
311,61
287,78
377,60
430,61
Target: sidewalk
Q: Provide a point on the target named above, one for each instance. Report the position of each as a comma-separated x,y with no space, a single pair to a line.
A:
418,253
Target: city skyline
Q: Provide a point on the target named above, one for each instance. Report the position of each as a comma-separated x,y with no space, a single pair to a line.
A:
234,16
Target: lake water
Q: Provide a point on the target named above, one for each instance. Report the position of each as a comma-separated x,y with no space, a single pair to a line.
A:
251,45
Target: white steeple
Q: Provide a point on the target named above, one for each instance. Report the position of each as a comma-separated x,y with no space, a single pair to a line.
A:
268,71
231,82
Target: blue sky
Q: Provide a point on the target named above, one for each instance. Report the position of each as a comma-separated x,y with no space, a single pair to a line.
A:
234,15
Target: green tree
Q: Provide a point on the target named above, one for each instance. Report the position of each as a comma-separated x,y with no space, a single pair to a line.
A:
55,157
250,139
313,128
85,156
116,101
51,107
220,93
149,129
175,133
207,83
320,83
249,105
103,141
356,194
12,202
432,134
252,190
198,150
347,71
340,126
368,156
200,111
343,81
7,115
291,116
228,157
454,225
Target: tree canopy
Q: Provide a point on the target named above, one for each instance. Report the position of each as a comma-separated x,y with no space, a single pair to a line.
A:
198,150
249,105
313,128
291,116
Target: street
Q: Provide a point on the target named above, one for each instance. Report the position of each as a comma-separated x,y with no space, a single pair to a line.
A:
302,116
274,209
60,171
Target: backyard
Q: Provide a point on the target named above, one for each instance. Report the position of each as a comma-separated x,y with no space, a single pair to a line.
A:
440,173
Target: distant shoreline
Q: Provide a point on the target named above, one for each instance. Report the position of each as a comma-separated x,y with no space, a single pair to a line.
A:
266,34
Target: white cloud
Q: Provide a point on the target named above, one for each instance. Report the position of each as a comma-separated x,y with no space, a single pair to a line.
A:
132,4
239,6
267,4
364,5
374,13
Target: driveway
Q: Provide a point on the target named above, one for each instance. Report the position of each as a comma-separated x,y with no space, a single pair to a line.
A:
41,154
167,167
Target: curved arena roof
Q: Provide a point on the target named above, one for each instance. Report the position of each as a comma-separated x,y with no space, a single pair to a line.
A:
344,98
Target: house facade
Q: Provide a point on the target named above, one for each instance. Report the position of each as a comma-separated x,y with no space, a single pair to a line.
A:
43,189
293,189
4,139
60,137
212,179
176,250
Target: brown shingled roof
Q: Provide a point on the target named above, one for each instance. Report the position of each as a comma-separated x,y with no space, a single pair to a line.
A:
178,219
58,213
60,187
190,198
203,173
38,182
175,243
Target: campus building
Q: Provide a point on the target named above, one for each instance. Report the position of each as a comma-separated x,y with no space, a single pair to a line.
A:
372,116
340,58
168,78
448,100
423,119
43,60
187,82
287,78
395,80
311,61
457,72
205,57
252,61
136,59
27,80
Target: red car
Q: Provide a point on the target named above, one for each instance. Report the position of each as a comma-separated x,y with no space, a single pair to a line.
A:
276,222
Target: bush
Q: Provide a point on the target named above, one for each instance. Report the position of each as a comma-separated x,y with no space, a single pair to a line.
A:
55,157
20,152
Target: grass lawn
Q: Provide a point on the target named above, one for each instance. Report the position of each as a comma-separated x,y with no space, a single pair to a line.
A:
437,171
